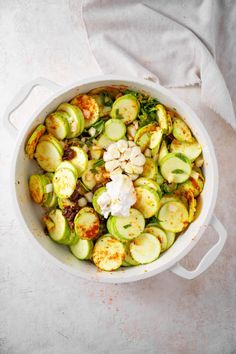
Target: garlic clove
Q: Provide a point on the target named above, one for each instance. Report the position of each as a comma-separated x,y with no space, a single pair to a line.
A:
111,165
129,168
138,160
135,151
122,145
133,176
137,169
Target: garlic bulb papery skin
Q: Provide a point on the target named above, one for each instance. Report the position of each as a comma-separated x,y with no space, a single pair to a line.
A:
124,156
119,196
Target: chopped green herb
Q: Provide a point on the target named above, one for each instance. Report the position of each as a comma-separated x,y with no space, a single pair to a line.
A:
178,171
126,226
89,141
182,157
99,163
118,115
94,171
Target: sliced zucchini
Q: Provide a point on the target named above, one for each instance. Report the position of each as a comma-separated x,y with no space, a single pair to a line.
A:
65,202
96,195
175,167
89,107
82,249
143,135
48,156
87,223
94,175
162,118
96,152
103,141
108,253
104,108
64,182
195,183
155,142
169,121
57,124
75,119
51,139
173,216
80,161
191,150
159,178
159,233
170,238
191,205
148,201
181,131
126,108
58,227
143,181
150,169
128,227
128,261
168,187
163,151
50,199
68,165
37,186
33,140
145,248
115,129
88,177
199,161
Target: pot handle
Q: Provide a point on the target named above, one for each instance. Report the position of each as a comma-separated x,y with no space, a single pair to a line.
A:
209,257
20,98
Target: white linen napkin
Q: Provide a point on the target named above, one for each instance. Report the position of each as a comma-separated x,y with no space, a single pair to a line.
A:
170,42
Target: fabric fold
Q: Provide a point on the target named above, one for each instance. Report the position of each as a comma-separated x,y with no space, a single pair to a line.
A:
172,48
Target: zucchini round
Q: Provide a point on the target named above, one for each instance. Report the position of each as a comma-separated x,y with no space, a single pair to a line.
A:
89,107
57,125
87,223
80,161
64,182
82,249
149,169
108,253
145,248
128,227
125,108
173,216
48,156
33,140
115,129
159,233
57,226
148,201
181,131
96,195
175,167
190,149
75,119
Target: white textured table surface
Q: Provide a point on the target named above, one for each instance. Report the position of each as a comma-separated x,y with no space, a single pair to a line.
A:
44,310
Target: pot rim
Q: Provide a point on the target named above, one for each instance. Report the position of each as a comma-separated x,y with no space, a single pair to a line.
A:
104,278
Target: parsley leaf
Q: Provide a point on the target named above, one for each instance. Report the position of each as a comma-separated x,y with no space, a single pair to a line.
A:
99,163
126,226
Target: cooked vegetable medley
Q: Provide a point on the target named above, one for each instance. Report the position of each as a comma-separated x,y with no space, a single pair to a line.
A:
121,176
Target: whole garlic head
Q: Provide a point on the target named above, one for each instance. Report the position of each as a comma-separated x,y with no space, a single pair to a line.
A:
124,156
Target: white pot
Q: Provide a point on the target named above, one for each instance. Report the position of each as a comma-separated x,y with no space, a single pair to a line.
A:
30,214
